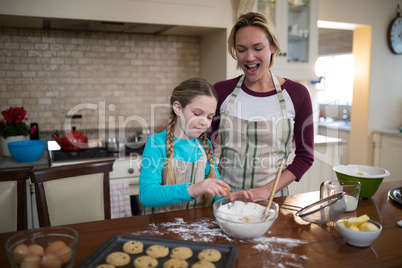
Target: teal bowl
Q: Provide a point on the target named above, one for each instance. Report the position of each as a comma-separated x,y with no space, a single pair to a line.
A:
27,151
369,177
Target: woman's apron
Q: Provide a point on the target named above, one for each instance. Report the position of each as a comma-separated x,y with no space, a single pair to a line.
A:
193,172
251,151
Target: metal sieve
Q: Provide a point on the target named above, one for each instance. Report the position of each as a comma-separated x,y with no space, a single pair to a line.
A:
323,211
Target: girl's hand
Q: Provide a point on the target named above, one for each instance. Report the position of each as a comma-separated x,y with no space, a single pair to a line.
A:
210,186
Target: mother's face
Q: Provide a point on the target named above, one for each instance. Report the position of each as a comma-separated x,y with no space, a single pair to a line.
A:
253,51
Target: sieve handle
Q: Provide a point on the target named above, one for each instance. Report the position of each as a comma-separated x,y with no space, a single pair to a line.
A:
290,207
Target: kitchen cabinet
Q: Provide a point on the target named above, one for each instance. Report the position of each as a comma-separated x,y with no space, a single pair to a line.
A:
296,22
387,152
337,129
327,152
129,169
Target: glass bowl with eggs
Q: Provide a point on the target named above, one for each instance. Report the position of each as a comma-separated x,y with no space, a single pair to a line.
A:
53,247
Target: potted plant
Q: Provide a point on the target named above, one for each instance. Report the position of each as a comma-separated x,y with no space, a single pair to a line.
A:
14,127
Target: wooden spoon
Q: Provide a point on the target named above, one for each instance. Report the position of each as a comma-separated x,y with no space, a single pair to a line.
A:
275,185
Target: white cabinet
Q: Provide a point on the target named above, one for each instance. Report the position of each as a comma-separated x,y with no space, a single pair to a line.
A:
388,152
296,22
327,152
129,169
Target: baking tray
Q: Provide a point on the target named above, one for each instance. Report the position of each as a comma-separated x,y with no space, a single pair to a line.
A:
115,243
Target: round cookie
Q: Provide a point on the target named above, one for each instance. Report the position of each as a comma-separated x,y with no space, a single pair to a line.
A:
145,262
157,251
133,247
182,253
211,255
118,258
175,263
203,264
105,266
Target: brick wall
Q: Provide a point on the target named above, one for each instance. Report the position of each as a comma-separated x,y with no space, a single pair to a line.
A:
104,76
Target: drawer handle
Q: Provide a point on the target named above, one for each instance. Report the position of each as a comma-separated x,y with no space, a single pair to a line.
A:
131,171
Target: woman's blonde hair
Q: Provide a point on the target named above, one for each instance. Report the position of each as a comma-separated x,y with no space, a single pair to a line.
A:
256,20
184,93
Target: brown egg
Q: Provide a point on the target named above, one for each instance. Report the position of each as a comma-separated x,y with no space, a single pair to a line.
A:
60,249
51,261
20,252
226,189
55,246
36,249
31,261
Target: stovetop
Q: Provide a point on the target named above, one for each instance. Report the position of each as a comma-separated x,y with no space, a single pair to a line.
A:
89,153
58,156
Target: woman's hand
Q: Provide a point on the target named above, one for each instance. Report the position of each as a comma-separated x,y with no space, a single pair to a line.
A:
246,194
210,186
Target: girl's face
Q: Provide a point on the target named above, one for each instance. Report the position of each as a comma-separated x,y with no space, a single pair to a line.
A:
253,52
195,118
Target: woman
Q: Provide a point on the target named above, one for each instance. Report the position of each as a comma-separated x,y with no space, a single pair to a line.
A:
177,162
260,114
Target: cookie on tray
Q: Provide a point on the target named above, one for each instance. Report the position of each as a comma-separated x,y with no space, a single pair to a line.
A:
118,258
105,266
157,251
145,262
203,264
133,247
211,255
182,253
175,263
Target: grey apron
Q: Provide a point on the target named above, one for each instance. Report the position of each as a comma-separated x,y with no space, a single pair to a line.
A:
193,172
251,151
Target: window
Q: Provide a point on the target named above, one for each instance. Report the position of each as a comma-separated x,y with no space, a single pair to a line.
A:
336,84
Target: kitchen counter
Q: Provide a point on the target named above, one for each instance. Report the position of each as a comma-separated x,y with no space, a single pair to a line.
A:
290,242
340,125
9,161
388,132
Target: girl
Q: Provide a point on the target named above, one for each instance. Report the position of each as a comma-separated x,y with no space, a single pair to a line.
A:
176,162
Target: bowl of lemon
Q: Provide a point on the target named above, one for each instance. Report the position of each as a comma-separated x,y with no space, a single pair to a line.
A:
359,231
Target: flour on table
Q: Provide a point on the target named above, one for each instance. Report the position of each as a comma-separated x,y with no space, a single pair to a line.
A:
207,230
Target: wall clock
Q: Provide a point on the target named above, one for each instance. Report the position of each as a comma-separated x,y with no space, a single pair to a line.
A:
394,36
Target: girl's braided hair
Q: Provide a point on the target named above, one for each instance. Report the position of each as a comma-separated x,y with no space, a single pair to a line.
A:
184,93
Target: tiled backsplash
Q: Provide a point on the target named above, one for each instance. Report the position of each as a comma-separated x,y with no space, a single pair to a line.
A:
111,79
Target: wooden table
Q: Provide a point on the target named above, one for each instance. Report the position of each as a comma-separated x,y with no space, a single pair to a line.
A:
290,242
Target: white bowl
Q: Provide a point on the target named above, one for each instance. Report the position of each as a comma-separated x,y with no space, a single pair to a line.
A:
358,238
370,172
243,219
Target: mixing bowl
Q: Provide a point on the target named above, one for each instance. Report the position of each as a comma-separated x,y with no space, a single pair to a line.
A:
369,177
244,219
27,151
359,238
48,247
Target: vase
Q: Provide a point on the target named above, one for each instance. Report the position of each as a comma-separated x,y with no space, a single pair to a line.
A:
5,141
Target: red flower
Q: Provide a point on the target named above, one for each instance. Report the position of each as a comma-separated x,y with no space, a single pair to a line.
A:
14,123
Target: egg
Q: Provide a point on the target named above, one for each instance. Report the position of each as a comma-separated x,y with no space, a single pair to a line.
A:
36,249
60,249
20,252
55,246
51,261
226,189
31,261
